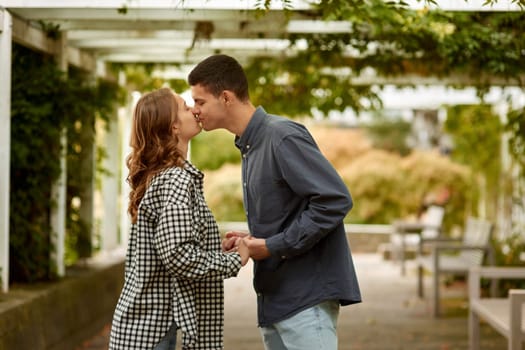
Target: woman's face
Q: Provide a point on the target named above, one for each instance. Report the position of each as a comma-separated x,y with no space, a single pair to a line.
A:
187,125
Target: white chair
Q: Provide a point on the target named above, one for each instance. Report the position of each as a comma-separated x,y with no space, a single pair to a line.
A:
505,315
471,251
407,235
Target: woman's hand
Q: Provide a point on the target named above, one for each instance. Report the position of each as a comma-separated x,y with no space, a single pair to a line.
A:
231,240
243,251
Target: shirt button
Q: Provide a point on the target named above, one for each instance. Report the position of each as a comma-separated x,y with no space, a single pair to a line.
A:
244,183
283,257
244,155
247,146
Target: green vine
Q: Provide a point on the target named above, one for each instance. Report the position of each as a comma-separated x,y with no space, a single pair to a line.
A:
41,107
476,48
477,131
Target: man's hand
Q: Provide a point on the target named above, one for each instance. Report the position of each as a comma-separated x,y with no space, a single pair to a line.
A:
257,247
232,240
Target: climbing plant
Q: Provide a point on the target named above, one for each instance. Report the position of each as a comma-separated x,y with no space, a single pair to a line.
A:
43,103
390,39
476,134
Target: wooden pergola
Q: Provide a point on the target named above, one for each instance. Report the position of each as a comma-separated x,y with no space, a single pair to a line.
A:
177,33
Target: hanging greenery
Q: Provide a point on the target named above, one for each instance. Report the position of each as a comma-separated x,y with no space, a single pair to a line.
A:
43,103
461,48
476,135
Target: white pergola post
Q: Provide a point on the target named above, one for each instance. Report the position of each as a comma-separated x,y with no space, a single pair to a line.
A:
125,117
110,185
58,191
110,188
5,141
503,224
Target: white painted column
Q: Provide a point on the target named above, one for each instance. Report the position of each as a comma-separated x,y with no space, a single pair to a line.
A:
59,189
125,115
5,141
504,210
110,139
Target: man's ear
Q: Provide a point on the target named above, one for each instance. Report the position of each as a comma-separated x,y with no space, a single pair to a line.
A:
228,97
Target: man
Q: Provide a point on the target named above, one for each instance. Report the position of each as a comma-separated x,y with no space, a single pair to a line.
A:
295,203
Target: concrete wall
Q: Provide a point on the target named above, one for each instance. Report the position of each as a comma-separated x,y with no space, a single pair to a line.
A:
60,315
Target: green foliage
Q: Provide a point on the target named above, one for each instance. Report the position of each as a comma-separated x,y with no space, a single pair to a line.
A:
139,77
476,135
509,252
41,107
223,193
265,4
210,150
37,118
474,48
430,174
520,3
293,86
376,182
87,101
386,186
515,126
390,134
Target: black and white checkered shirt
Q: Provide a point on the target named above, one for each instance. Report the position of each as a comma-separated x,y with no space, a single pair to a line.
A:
174,268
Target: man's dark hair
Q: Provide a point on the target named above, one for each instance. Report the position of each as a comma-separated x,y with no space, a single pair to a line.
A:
218,73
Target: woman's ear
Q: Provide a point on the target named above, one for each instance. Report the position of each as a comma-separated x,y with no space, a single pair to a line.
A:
175,129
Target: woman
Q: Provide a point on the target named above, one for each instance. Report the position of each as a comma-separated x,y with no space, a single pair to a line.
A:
174,264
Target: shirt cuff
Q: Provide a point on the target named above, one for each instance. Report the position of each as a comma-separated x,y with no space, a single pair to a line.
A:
237,263
277,246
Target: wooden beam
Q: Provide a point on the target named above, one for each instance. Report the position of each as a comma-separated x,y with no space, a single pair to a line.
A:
27,34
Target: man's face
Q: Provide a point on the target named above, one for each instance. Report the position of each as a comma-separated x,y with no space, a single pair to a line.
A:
208,108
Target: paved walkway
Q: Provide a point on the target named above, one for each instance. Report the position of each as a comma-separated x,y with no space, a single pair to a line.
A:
391,316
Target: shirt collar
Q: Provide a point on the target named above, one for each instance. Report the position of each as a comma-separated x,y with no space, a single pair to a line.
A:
193,170
251,134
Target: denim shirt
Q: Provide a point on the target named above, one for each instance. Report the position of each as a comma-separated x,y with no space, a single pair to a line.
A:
296,201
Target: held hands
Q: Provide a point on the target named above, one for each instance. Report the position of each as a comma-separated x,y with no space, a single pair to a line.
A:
241,241
231,241
257,247
243,251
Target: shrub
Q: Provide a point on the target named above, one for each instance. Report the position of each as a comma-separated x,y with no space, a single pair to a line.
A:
210,150
340,146
375,180
223,192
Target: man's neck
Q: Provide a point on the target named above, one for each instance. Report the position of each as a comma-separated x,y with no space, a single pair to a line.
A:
241,118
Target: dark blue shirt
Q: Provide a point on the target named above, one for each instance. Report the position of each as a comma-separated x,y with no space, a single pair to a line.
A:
295,199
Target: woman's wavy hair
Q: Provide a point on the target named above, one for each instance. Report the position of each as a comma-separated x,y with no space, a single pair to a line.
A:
153,143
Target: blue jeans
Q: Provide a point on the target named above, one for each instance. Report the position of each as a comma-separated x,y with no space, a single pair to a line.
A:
310,329
169,341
